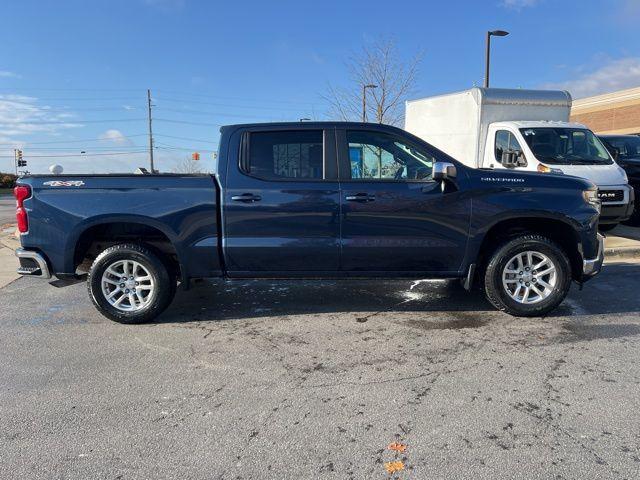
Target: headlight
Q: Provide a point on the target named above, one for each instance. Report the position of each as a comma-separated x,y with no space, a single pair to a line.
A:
542,168
591,197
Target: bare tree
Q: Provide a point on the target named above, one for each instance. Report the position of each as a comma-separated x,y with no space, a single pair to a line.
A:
379,65
188,165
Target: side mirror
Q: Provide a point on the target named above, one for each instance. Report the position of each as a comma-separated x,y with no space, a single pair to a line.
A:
513,159
443,171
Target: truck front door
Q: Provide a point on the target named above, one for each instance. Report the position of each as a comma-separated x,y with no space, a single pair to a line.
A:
395,218
281,203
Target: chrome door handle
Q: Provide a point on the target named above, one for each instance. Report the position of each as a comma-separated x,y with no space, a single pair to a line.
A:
246,197
360,197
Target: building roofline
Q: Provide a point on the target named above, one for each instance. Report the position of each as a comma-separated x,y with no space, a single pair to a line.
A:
606,99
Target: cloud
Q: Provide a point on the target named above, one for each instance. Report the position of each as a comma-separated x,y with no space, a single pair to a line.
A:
610,76
8,74
23,115
519,4
116,137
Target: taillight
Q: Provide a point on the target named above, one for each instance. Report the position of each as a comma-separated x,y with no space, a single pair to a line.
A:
22,192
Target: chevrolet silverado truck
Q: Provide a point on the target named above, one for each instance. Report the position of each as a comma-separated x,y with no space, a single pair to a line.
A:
312,200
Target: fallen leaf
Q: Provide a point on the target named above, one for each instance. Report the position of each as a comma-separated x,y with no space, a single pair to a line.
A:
397,447
393,467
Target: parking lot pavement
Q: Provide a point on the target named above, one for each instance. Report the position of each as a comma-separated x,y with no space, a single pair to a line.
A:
302,380
7,209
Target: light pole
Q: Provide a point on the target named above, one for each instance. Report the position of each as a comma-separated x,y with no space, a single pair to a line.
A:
364,100
494,33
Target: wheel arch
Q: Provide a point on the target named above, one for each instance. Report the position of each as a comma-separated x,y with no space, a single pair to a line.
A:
558,230
103,232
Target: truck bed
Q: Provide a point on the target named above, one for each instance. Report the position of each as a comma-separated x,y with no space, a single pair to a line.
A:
68,214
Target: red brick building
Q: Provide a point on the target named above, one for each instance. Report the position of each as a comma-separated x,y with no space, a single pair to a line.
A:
616,112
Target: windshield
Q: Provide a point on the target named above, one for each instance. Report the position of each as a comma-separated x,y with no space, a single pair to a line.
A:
628,147
566,146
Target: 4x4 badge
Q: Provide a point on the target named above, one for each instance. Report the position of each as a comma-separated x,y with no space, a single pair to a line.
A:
64,183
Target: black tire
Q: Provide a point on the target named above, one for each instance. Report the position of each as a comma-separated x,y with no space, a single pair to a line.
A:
164,283
607,227
495,291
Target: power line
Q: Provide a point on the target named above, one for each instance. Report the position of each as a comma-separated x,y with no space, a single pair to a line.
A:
66,149
170,92
174,147
77,155
73,141
185,122
185,138
67,99
197,112
199,102
201,95
70,122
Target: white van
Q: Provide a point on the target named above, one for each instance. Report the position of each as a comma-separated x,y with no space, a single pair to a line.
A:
525,130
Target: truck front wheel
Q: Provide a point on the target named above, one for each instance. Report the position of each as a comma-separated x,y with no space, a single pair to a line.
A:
128,283
528,276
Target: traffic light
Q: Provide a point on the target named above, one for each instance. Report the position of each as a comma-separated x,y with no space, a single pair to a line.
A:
21,162
195,156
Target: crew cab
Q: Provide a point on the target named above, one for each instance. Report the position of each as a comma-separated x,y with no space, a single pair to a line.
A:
319,200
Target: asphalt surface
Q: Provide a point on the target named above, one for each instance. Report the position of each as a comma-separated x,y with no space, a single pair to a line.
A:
7,209
314,380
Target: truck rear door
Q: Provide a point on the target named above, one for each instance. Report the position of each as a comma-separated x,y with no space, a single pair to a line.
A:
395,218
281,203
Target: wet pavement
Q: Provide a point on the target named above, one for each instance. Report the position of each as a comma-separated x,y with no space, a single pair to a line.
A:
312,379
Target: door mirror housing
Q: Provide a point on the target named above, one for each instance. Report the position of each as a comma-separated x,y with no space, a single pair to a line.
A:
443,171
513,159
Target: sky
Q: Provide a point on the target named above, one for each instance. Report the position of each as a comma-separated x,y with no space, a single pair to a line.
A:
74,74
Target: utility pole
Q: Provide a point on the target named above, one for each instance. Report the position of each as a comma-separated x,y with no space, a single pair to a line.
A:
15,160
150,132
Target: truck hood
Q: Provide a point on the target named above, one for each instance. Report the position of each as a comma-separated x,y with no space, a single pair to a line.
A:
601,175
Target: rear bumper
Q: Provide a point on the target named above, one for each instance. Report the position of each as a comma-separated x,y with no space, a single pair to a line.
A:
32,263
592,266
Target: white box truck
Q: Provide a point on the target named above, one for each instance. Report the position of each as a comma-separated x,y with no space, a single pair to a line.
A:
521,129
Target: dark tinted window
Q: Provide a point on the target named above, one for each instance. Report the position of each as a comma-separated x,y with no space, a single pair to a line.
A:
565,146
628,147
281,155
505,142
380,156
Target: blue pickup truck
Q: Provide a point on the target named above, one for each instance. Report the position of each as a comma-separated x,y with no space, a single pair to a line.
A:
312,200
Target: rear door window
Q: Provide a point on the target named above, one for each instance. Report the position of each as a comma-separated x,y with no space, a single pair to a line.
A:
285,155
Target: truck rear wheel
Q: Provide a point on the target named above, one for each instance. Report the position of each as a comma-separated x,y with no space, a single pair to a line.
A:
528,276
128,283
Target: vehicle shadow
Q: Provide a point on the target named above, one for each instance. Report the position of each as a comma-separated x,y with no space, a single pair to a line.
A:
614,291
213,300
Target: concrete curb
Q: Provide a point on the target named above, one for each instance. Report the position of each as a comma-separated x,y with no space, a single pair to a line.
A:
622,252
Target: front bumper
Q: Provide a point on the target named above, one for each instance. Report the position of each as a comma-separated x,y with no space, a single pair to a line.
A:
592,266
616,212
32,263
